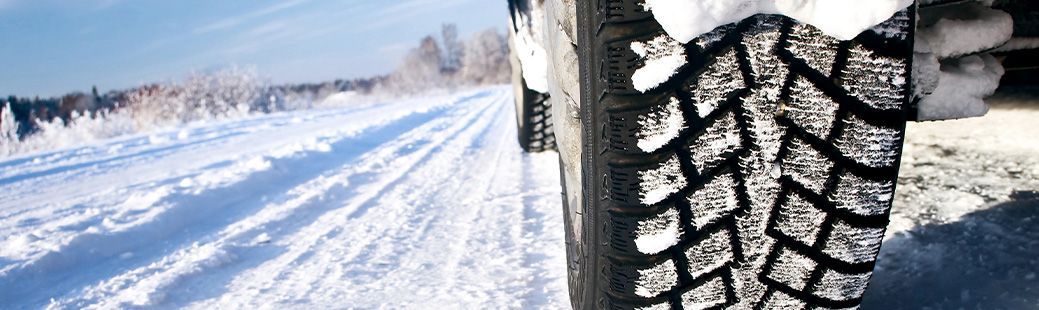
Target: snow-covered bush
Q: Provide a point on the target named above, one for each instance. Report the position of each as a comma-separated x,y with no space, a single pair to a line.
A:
450,63
419,70
431,67
8,127
223,94
486,59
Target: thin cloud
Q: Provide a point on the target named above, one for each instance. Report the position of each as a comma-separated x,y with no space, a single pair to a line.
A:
404,11
237,20
395,48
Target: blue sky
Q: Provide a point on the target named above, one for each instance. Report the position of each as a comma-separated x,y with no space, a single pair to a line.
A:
51,47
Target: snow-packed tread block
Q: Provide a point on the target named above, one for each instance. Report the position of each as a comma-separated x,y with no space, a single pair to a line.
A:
762,41
651,235
710,40
814,110
646,129
717,84
716,144
656,58
710,253
861,196
838,286
799,219
852,244
869,77
806,165
643,281
896,28
657,279
620,64
773,148
660,126
713,201
661,306
710,294
782,301
661,181
792,268
818,51
870,145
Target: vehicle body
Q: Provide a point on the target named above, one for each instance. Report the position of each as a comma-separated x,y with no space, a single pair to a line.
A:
743,154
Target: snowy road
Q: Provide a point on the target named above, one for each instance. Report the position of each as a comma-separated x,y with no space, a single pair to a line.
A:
431,204
412,203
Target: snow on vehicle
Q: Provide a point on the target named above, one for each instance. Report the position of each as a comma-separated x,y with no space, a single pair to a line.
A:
743,154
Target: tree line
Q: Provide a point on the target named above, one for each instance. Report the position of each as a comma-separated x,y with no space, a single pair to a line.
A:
443,61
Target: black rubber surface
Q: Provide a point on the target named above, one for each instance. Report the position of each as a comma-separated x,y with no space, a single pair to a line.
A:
534,120
1025,14
779,179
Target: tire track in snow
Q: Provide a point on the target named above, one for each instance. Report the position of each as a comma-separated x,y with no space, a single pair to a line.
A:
315,250
138,288
449,233
79,261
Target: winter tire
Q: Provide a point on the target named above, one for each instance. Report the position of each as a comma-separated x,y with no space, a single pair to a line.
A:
533,120
533,115
759,175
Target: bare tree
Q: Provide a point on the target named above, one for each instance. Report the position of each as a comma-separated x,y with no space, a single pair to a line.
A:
486,58
453,48
420,69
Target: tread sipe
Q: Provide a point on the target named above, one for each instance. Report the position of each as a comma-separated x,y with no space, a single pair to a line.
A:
759,175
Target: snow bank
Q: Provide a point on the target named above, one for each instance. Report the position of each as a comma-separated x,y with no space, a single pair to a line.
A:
925,69
843,19
1016,44
952,87
963,85
201,98
964,29
56,134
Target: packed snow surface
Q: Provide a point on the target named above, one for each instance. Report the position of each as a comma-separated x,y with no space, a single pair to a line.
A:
684,20
964,230
412,204
428,203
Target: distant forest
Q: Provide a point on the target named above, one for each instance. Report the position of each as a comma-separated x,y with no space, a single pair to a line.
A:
443,61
